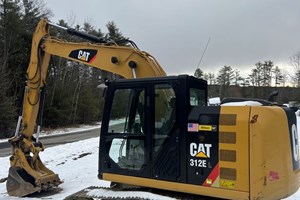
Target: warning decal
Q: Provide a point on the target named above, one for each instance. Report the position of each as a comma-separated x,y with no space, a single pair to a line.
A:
227,184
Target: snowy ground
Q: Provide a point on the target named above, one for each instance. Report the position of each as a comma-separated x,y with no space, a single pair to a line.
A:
76,164
58,131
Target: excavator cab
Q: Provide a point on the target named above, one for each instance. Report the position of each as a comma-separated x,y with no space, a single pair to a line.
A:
143,127
160,133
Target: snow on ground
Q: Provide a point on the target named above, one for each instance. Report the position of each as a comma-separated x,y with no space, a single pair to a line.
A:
59,131
243,103
70,130
77,165
77,173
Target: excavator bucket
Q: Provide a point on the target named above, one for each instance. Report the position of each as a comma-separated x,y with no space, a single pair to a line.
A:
19,183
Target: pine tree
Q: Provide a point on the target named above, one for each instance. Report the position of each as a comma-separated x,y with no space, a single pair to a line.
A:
33,11
198,73
114,33
225,76
266,73
10,39
7,109
10,58
224,79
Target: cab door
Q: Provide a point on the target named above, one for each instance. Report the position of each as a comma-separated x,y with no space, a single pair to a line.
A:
123,142
165,147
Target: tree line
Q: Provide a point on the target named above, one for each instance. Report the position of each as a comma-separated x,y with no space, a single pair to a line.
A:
263,74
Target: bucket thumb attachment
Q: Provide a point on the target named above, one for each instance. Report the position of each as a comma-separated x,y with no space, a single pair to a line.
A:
27,173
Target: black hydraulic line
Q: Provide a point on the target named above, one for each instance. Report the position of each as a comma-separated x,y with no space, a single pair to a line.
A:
86,36
80,34
41,106
92,38
123,42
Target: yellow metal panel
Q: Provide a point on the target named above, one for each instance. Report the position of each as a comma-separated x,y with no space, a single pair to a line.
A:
227,137
180,187
238,123
272,175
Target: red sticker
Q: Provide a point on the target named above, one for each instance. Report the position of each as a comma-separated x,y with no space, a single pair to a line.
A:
273,176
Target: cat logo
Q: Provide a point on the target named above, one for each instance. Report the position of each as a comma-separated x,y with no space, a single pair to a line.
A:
294,140
200,150
295,143
85,55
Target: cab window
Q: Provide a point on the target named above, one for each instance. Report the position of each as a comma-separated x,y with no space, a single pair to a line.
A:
165,113
197,97
127,113
128,118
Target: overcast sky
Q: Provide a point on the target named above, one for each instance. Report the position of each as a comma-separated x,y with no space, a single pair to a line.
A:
175,32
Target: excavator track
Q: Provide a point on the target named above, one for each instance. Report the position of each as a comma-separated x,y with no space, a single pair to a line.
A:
132,193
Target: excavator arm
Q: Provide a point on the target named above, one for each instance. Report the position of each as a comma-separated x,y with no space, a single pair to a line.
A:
27,173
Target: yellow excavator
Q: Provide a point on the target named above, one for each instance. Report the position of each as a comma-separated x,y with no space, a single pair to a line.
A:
168,137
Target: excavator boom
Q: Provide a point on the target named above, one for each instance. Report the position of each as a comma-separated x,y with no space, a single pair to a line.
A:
27,173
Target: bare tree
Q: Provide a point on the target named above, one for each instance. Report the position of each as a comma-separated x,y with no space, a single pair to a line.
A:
255,76
210,78
295,62
237,77
285,77
278,76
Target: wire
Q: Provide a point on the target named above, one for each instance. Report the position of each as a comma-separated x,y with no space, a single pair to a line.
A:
203,53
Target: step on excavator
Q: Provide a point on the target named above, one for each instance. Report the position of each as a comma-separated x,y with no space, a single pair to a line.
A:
168,137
